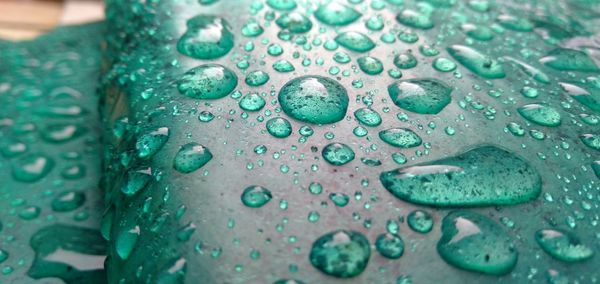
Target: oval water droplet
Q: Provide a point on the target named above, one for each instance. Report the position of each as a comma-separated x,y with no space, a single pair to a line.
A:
370,65
483,176
473,242
256,196
32,167
389,245
338,154
424,96
420,221
207,37
136,180
209,82
62,132
564,59
341,253
591,140
252,102
279,127
68,201
257,78
126,241
336,14
583,96
368,117
405,60
540,114
294,22
283,5
151,142
355,41
400,137
191,157
314,99
414,19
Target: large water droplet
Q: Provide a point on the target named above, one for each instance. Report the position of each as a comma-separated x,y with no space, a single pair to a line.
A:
294,22
191,157
414,19
583,96
207,37
370,65
314,99
368,117
136,180
252,102
209,81
284,5
591,140
483,176
540,114
400,137
335,14
355,41
477,62
341,253
473,242
424,96
256,196
279,127
126,241
338,154
563,245
565,59
32,167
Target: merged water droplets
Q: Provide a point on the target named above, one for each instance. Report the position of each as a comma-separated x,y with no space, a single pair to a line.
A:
473,242
341,253
483,176
424,96
314,99
209,81
207,37
191,157
563,245
336,14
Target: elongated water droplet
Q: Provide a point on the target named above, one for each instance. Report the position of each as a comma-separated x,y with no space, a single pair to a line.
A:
565,59
252,102
483,176
533,72
32,167
368,117
314,99
477,62
591,140
207,37
355,41
370,65
473,242
257,78
284,5
583,96
294,22
126,241
424,96
414,19
151,142
341,253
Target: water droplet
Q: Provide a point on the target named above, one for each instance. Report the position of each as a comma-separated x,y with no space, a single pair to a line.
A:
368,117
477,62
400,137
208,82
596,168
483,176
563,245
424,96
515,23
420,221
61,132
294,22
370,65
126,241
473,242
540,114
341,253
591,140
136,180
252,29
151,142
583,96
531,71
339,199
314,99
338,154
414,19
252,102
279,127
405,60
207,37
335,14
191,157
32,167
68,201
284,5
30,213
68,253
257,78
389,245
206,116
256,196
478,32
564,59
3,255
355,41
443,64
283,66
173,272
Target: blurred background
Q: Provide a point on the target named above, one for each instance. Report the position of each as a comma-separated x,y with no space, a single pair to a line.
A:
26,19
